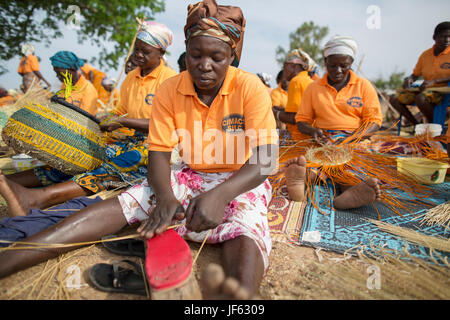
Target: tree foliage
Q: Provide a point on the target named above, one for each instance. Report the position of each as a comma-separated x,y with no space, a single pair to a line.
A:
394,81
101,22
309,37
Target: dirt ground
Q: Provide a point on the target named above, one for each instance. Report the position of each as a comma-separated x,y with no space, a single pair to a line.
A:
294,274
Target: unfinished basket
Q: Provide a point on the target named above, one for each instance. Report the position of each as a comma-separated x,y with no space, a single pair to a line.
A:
62,137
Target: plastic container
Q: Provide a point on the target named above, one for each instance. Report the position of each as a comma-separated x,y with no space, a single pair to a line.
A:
22,162
423,170
434,129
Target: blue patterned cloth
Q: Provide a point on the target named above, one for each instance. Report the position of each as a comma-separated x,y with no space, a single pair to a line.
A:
341,230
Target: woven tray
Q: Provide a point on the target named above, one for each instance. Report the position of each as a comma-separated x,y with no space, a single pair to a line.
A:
62,137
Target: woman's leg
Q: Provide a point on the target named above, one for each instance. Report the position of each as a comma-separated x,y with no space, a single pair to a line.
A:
20,199
25,178
402,109
364,193
426,107
90,224
244,270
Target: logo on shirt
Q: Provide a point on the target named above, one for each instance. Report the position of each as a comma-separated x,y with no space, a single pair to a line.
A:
445,65
149,99
233,123
355,102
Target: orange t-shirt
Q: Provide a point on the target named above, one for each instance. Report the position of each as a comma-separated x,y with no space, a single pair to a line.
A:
86,68
279,97
448,135
137,92
84,96
28,64
348,109
7,100
431,67
296,89
218,138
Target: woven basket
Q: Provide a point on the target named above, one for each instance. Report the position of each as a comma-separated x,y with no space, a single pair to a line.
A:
59,136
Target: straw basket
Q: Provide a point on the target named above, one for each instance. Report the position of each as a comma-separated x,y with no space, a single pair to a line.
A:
64,137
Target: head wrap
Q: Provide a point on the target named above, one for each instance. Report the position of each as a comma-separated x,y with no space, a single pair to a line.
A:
155,34
66,60
226,23
108,81
27,49
265,78
298,56
341,45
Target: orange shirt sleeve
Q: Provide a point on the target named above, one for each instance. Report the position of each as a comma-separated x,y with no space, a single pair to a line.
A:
161,123
296,89
259,118
418,68
448,135
371,109
306,111
33,63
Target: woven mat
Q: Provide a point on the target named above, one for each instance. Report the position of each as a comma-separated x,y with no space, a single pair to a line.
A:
342,230
285,217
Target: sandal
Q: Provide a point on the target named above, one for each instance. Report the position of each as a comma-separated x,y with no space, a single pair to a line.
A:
112,278
129,247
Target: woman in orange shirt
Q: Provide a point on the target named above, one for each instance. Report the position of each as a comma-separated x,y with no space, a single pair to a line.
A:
126,157
333,108
434,66
29,68
230,198
83,94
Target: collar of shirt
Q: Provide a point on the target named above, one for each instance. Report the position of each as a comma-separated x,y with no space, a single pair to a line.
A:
281,89
353,79
186,84
152,75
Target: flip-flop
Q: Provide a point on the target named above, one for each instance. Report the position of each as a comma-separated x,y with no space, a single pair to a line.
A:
112,278
128,247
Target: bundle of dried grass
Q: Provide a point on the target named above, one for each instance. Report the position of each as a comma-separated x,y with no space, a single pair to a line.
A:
381,275
433,242
439,215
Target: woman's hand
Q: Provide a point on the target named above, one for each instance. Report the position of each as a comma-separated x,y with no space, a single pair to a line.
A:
206,211
160,218
110,123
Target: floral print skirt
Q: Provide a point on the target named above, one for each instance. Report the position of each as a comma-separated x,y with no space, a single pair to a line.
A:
246,215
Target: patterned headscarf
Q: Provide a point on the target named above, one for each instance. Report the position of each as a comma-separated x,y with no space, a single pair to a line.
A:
155,34
341,45
298,56
226,23
27,49
66,60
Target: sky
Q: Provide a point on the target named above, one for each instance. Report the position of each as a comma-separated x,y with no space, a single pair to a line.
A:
391,34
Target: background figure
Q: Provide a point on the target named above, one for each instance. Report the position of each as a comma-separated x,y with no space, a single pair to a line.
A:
434,66
29,68
111,98
182,62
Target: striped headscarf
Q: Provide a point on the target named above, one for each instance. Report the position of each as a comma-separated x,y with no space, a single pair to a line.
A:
155,34
298,56
66,60
226,23
341,45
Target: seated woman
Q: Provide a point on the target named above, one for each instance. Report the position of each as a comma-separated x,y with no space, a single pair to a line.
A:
126,159
296,68
230,198
112,96
279,96
338,104
434,66
83,95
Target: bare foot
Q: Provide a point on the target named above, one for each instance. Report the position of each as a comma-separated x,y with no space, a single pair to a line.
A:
365,192
17,197
295,173
216,287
